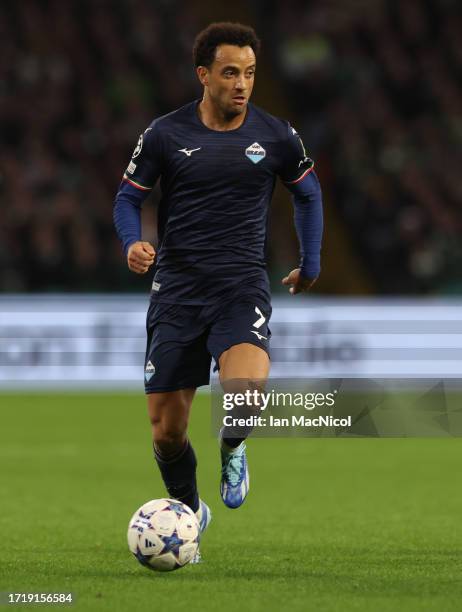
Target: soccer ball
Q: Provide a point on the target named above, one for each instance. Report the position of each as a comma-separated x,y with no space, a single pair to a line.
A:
163,534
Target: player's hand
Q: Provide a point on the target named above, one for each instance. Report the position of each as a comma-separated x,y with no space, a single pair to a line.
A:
140,257
297,282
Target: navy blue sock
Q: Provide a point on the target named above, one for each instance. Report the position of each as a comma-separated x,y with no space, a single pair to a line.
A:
179,475
233,442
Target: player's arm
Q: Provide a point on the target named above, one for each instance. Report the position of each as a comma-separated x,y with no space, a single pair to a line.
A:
300,178
308,219
127,220
138,181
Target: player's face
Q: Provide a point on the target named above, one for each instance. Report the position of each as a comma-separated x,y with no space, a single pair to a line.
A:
230,78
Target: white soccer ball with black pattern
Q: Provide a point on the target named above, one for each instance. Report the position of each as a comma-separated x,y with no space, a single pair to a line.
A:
164,534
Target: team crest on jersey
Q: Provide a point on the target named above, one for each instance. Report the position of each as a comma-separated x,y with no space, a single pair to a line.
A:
255,152
149,371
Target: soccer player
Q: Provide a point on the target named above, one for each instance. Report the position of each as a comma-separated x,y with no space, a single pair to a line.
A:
217,159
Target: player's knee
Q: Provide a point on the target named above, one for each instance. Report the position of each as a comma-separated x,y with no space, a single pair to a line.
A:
250,388
169,420
169,440
168,434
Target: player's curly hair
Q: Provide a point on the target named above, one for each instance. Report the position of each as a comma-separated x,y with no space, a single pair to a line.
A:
223,33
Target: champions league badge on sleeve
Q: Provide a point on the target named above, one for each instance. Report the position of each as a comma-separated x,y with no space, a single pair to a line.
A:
139,146
255,153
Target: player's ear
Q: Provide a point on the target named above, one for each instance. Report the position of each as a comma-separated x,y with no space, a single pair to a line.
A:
203,75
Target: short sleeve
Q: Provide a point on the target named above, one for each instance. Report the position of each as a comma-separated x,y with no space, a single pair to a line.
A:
145,165
296,163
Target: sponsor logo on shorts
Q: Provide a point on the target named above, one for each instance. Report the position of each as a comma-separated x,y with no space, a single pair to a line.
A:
155,286
131,168
149,371
259,336
255,153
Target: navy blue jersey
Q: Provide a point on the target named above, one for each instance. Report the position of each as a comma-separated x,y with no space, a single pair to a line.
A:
216,188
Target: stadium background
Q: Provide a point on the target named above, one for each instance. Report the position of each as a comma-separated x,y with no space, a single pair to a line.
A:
374,88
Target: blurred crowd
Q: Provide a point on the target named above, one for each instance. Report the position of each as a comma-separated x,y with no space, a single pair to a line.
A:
79,80
376,86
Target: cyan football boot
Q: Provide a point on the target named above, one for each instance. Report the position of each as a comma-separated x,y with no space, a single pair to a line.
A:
234,484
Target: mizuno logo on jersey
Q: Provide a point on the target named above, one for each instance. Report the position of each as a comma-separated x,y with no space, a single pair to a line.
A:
255,152
189,152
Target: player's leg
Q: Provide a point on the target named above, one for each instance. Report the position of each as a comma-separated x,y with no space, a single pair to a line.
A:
169,416
241,366
239,341
176,362
244,361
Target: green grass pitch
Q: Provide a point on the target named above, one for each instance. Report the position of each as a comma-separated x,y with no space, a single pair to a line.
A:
329,524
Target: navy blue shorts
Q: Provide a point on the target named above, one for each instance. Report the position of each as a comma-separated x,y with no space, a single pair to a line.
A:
182,339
